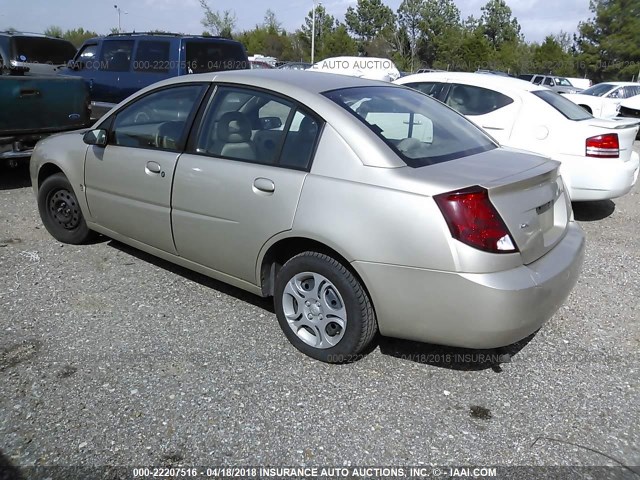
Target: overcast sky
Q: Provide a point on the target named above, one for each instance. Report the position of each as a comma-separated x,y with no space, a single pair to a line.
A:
537,18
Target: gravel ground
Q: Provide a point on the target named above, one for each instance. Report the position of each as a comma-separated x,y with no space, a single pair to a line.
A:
109,356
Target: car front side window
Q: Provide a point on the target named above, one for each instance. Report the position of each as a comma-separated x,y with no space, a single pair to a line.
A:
116,55
158,120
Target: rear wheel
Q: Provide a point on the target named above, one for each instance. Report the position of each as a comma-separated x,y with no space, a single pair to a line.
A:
323,308
60,212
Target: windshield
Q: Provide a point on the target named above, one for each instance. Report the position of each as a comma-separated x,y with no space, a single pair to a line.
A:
563,82
598,90
421,130
566,107
42,50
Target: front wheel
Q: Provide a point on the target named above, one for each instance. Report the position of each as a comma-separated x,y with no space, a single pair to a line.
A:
60,212
323,309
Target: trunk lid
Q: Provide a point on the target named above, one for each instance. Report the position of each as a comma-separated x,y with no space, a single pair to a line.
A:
524,188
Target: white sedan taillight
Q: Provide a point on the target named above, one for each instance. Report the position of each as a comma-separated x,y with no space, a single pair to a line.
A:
603,146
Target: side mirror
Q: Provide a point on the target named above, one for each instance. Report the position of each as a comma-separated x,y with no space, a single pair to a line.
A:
270,123
96,137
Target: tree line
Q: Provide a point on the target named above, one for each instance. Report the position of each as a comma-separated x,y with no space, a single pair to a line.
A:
432,34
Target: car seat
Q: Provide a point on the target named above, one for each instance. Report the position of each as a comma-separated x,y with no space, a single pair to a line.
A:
234,133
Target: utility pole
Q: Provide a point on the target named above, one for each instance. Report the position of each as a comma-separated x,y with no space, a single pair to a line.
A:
119,10
313,32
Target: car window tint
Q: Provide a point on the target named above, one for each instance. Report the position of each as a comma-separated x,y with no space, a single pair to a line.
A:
300,141
566,107
598,90
152,56
116,55
156,121
244,125
548,81
214,55
419,129
538,80
428,88
42,50
471,100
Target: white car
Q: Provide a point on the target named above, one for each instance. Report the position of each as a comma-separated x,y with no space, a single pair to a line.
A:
630,107
596,155
602,100
371,68
581,83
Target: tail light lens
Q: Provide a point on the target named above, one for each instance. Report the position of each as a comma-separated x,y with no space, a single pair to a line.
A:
603,146
473,220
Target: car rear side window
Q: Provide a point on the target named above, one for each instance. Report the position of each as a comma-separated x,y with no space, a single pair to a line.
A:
116,55
212,56
157,120
566,107
428,88
152,56
419,129
471,100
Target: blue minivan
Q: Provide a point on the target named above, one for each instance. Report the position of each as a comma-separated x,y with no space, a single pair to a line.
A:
120,64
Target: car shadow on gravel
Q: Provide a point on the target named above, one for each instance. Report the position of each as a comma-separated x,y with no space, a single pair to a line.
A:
13,178
260,302
8,471
593,211
452,358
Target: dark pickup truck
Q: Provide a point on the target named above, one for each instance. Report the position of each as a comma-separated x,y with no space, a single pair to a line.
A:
120,64
34,100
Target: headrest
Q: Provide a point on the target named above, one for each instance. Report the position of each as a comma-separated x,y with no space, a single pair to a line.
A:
234,127
308,127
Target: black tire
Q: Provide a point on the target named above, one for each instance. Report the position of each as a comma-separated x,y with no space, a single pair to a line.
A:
361,325
60,211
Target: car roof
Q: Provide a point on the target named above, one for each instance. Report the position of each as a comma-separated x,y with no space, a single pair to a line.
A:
616,84
480,79
293,83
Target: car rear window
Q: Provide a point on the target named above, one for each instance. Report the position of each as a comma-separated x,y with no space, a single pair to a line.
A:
421,130
213,56
566,107
42,50
598,90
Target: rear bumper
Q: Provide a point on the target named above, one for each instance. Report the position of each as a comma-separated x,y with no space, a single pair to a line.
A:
598,178
474,310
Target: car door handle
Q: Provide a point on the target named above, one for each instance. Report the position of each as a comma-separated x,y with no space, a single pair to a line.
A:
264,185
153,167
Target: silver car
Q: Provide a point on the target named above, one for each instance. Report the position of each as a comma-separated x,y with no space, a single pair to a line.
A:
359,206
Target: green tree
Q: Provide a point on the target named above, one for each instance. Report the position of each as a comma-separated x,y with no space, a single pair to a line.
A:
218,23
497,24
409,28
440,25
54,31
607,44
325,26
338,43
369,20
551,57
271,22
78,36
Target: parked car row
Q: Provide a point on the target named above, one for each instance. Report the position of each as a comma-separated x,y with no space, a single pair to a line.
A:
596,155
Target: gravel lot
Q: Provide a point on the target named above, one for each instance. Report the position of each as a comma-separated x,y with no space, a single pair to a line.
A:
110,356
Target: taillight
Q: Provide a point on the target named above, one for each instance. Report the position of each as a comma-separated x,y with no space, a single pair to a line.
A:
473,220
603,146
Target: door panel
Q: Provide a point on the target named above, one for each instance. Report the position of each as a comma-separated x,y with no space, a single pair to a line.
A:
223,211
126,195
128,182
